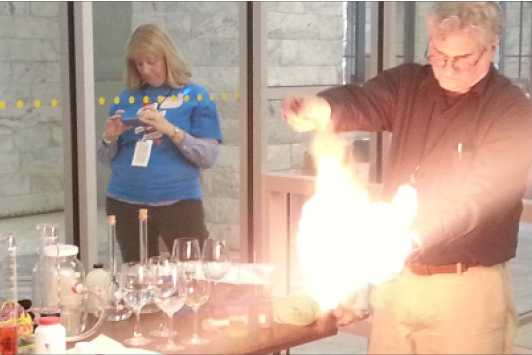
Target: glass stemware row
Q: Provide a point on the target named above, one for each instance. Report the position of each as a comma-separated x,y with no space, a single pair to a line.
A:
185,277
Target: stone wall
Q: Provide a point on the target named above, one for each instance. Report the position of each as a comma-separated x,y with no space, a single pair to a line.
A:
31,156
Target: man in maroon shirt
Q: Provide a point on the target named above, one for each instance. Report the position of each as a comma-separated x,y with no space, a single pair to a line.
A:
462,136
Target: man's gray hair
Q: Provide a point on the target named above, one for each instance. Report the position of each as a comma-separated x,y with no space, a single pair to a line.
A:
447,16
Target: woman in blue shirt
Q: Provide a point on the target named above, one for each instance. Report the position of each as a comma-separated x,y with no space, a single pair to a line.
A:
161,131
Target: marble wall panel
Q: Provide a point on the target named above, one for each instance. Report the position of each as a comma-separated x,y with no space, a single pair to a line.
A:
9,160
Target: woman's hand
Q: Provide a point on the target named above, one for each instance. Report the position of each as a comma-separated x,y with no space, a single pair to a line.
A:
154,118
114,127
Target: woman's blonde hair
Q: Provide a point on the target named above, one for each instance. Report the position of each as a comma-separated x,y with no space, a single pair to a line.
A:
151,39
481,18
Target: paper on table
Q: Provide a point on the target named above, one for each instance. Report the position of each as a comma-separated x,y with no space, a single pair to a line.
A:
104,345
244,273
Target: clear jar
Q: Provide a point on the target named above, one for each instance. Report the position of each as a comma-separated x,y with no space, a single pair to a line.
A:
64,274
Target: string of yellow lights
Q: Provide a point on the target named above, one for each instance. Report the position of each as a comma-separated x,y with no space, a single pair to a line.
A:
102,100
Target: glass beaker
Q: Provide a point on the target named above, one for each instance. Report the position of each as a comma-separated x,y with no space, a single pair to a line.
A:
8,295
48,234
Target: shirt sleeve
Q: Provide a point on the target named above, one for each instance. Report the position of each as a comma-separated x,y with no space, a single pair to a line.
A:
106,154
200,150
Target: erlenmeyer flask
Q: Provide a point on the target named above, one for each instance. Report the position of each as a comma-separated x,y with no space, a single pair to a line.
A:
8,295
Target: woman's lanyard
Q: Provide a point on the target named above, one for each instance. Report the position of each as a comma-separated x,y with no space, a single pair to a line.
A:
146,101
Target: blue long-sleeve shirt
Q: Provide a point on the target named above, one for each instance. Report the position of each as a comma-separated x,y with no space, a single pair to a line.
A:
173,171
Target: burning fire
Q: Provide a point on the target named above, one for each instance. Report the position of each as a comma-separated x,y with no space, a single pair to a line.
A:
345,241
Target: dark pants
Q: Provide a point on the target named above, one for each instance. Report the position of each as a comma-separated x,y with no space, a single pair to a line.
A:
183,219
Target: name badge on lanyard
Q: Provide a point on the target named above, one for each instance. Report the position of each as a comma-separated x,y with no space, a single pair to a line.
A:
142,153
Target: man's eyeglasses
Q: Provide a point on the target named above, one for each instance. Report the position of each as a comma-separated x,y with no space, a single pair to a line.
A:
458,64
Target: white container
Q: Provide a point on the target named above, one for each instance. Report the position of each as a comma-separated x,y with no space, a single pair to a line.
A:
98,281
50,336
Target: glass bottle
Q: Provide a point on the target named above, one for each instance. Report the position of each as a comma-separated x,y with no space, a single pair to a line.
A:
150,307
8,295
143,235
116,309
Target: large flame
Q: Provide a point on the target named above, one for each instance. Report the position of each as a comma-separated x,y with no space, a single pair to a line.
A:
345,241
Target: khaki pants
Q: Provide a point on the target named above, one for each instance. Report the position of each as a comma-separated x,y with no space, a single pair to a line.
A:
468,313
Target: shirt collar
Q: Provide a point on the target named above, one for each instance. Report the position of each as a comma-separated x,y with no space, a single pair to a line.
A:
432,88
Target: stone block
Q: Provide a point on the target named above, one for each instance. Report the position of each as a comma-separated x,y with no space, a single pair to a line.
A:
224,52
47,181
222,210
217,79
6,139
325,7
330,75
41,72
42,159
274,56
37,27
230,131
286,6
11,8
12,93
34,138
304,26
8,161
290,54
178,25
225,184
45,92
29,204
30,49
323,53
196,51
228,108
14,184
303,75
7,26
6,73
279,132
46,114
44,8
292,26
278,157
229,158
214,25
297,155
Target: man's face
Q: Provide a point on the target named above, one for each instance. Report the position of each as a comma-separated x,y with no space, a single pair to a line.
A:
459,61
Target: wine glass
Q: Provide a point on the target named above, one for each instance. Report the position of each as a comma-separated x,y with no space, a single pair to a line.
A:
155,263
215,259
136,287
198,290
187,254
170,295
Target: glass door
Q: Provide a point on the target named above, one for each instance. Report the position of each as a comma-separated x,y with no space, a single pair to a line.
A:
207,34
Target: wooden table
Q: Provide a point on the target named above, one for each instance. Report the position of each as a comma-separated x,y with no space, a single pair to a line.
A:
257,340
